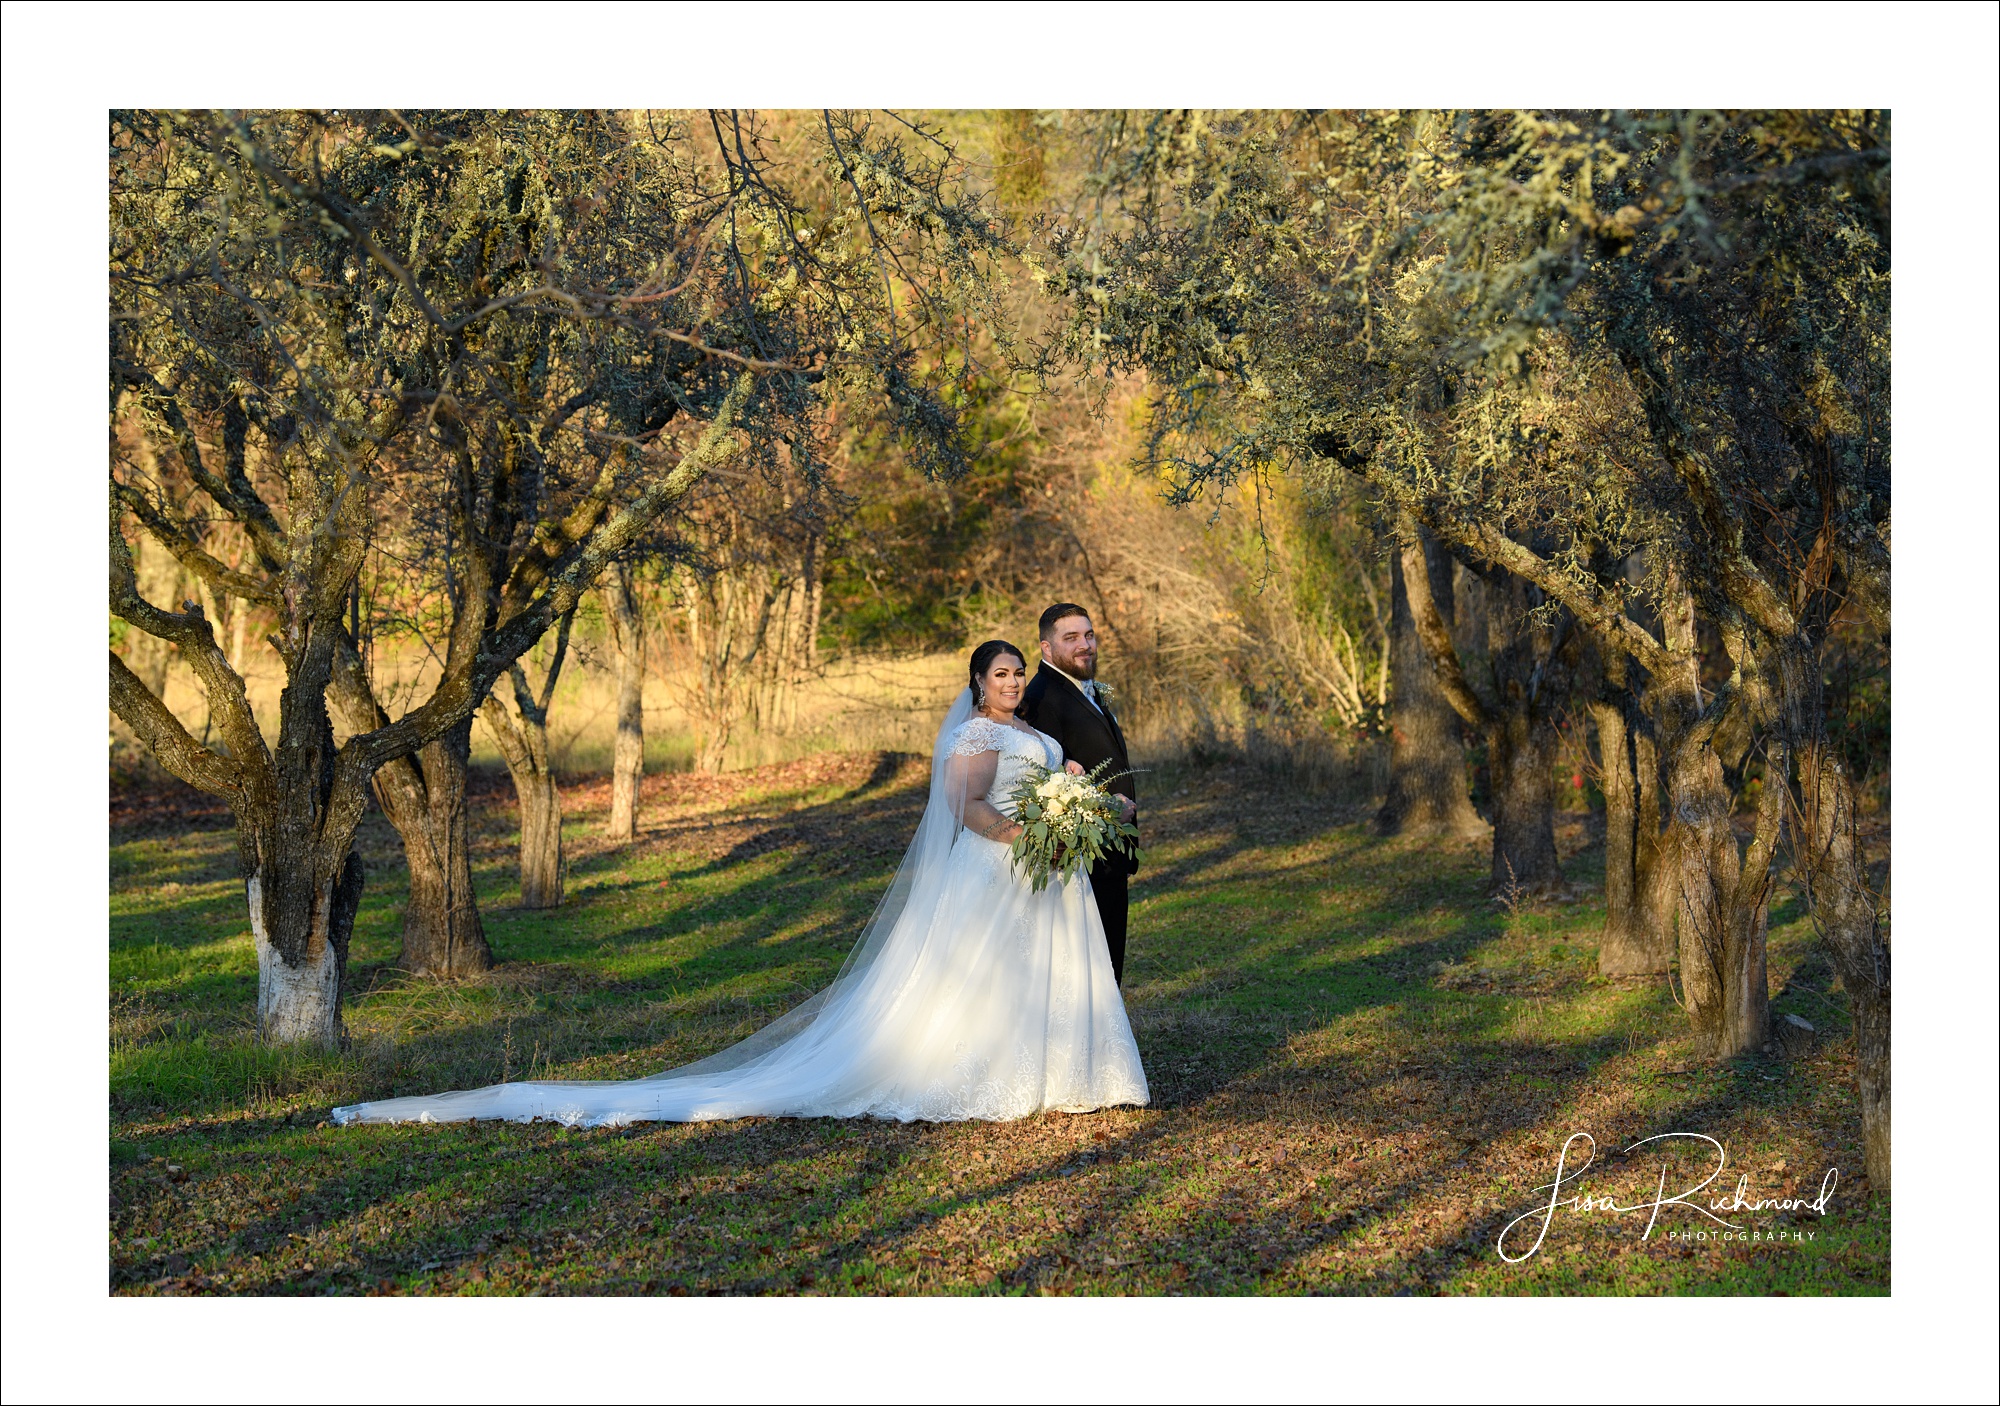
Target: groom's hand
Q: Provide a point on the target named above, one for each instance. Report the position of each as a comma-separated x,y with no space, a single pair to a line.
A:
1130,807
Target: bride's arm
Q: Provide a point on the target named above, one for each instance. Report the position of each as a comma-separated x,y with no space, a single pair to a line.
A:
971,778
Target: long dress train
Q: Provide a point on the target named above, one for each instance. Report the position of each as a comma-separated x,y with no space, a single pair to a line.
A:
968,996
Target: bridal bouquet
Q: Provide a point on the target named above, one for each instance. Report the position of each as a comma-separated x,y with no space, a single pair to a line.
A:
1069,823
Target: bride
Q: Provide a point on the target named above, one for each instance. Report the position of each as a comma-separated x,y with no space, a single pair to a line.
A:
968,995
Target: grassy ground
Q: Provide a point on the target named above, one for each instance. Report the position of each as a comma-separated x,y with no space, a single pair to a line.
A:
1362,1069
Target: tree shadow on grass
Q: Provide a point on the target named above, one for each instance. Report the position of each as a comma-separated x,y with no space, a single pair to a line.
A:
760,1206
797,887
776,1206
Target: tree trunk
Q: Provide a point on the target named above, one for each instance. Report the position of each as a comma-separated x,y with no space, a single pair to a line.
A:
628,755
1521,753
296,802
729,625
1844,910
1718,895
1724,904
299,1002
1622,950
713,750
424,798
709,704
542,868
1638,938
1655,891
1532,667
523,737
302,878
1427,793
524,744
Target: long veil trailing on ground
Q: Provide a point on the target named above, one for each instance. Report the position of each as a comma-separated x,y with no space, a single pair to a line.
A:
917,886
846,1003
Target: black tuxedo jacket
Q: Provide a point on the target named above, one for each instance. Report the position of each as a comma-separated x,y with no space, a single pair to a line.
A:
1057,706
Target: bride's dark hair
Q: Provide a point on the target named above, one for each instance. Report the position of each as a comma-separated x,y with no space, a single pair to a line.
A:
982,660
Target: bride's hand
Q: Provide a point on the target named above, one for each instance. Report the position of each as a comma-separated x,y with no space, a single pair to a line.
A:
1073,768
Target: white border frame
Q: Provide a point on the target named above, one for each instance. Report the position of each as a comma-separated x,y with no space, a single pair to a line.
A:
65,1339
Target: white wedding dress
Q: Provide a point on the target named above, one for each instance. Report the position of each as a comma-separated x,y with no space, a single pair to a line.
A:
968,996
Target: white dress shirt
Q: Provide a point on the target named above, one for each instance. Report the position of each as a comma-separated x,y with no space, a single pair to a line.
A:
1087,687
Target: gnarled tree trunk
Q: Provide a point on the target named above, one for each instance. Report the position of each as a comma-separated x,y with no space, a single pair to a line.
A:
1720,893
1638,937
1521,755
523,738
1724,906
542,868
304,880
1651,863
1532,666
296,804
1427,793
1621,951
424,797
1532,670
628,753
298,1000
1844,909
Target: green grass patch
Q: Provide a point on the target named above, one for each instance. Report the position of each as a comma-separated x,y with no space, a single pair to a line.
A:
208,1072
1362,1069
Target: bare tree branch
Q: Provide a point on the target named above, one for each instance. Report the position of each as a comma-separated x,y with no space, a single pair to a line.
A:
1436,636
170,743
177,539
224,687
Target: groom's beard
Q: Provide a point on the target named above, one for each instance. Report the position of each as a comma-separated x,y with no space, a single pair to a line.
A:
1078,669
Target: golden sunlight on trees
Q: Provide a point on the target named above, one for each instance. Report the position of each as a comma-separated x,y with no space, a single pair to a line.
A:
1632,368
456,369
1513,476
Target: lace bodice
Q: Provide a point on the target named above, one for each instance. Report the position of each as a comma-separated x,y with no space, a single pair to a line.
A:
1018,751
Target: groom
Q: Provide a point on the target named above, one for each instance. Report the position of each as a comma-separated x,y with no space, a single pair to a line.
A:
1063,700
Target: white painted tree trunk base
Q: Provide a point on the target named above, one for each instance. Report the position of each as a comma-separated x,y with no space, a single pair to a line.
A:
295,1004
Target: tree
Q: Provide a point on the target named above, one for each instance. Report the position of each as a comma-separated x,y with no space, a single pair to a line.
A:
522,734
1239,287
1533,661
748,589
1639,893
514,341
628,758
1447,304
1734,268
1427,792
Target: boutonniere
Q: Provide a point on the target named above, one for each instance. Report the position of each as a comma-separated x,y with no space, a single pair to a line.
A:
1105,697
